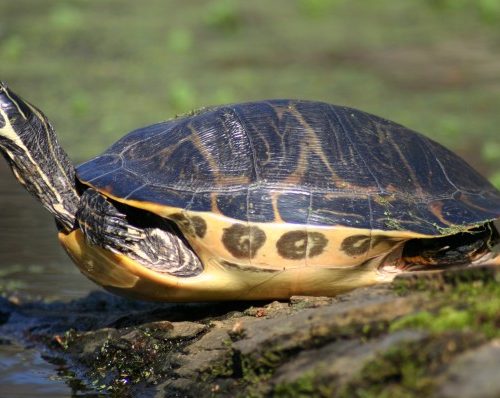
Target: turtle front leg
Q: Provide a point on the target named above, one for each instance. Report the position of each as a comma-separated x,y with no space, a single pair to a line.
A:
152,241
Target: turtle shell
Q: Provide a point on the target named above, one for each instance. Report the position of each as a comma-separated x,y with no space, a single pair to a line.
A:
300,162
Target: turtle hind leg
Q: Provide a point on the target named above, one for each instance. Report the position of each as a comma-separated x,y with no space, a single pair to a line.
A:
460,249
149,239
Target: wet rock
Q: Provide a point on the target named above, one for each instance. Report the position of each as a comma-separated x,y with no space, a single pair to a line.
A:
474,374
88,342
407,368
309,302
176,330
312,327
204,354
212,353
270,310
340,360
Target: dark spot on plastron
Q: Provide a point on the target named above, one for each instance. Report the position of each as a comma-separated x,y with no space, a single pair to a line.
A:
190,225
356,245
199,225
295,245
316,243
243,241
2,122
181,220
292,245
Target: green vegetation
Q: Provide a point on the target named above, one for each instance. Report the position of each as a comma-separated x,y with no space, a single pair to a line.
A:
305,386
473,306
408,369
100,69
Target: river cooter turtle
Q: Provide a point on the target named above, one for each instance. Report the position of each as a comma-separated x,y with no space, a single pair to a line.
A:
260,200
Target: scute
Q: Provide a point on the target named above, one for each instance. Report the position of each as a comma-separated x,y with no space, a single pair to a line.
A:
299,162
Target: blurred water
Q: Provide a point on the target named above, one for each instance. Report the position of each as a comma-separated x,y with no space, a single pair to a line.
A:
23,373
31,263
31,259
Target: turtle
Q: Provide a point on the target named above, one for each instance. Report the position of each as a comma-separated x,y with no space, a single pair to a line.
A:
257,200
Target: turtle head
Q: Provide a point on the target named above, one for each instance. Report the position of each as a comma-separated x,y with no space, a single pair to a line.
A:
19,120
29,144
12,107
14,113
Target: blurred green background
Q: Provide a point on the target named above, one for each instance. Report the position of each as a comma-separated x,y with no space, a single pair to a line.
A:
101,68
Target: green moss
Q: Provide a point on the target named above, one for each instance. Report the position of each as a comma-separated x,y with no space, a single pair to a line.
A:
455,229
449,318
408,285
408,369
304,387
446,319
390,221
382,200
222,369
405,370
393,224
254,378
473,306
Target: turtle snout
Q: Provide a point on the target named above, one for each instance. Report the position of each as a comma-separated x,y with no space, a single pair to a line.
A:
11,105
5,101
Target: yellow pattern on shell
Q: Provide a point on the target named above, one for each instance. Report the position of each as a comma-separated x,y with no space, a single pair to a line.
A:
211,245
